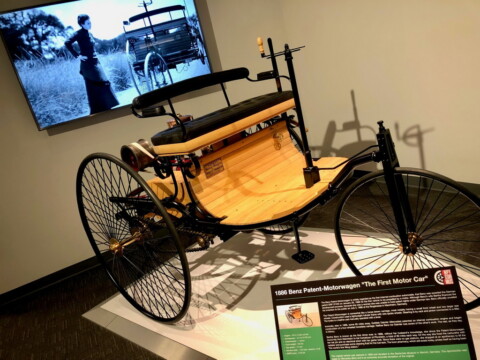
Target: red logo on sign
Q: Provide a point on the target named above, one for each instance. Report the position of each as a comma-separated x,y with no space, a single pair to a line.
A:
444,277
447,277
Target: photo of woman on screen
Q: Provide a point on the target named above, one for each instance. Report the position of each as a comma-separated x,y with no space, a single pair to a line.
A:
118,56
99,91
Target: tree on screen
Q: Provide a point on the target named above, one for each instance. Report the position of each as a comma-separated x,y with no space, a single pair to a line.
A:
32,34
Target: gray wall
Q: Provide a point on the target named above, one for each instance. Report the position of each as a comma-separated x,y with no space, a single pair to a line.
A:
413,64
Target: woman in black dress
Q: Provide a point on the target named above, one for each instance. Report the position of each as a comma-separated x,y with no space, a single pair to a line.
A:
99,92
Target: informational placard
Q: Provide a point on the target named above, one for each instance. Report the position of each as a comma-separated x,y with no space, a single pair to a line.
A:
403,315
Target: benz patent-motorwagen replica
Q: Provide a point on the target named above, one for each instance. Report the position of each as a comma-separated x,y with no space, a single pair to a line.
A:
248,166
294,313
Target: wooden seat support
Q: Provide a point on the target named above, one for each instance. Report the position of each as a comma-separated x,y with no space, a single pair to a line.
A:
259,178
254,180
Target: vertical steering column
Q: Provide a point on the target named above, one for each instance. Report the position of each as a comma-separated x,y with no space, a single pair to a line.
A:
311,173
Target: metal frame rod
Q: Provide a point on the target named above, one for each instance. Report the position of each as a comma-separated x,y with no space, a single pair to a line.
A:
298,107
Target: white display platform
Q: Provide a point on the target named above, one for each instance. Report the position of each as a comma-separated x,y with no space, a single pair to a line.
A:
230,315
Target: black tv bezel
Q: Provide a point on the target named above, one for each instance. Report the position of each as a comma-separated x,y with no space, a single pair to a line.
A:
209,43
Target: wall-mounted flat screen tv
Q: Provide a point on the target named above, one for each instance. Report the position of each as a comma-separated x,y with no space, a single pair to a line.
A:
79,58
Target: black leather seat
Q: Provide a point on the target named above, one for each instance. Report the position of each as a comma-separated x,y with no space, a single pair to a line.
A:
217,119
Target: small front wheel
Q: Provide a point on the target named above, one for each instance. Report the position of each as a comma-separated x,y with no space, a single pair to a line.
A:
133,237
447,226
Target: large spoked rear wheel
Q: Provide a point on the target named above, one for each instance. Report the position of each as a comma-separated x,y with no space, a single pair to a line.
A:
447,220
306,320
133,237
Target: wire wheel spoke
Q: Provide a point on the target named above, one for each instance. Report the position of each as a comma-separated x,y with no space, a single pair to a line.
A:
446,224
144,258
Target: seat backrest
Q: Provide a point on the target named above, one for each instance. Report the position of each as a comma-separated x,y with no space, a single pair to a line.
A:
147,105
